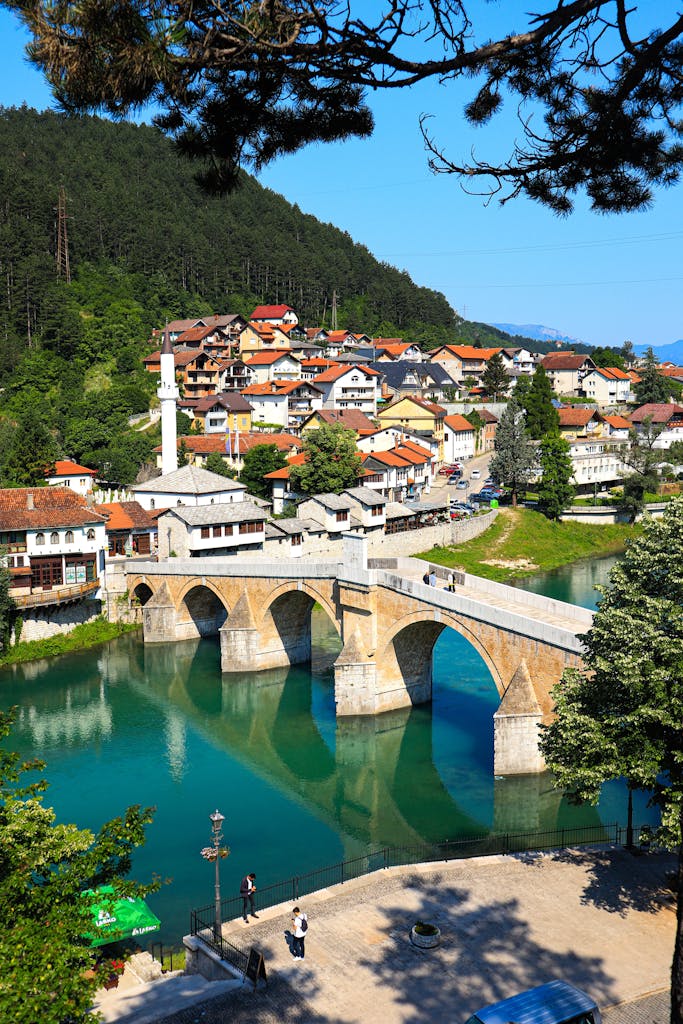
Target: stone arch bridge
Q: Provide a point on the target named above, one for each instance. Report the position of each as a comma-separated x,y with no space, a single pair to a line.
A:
388,621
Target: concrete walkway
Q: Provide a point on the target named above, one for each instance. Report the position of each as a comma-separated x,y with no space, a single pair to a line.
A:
603,920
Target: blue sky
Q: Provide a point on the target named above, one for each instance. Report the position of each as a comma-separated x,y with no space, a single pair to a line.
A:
600,279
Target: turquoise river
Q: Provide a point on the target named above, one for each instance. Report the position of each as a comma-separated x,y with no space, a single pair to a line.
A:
157,725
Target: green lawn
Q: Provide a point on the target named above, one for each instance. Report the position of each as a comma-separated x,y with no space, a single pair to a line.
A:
525,542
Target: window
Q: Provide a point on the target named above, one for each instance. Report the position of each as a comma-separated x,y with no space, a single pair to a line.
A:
297,539
251,527
376,510
54,537
341,517
151,503
90,534
69,537
216,531
205,531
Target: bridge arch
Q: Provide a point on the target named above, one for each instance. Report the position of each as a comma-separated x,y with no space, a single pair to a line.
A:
200,611
405,651
285,624
142,588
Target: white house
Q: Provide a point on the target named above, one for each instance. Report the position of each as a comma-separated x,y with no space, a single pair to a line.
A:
607,385
277,366
51,538
333,511
667,417
458,439
597,463
287,403
189,485
200,531
280,314
69,474
349,387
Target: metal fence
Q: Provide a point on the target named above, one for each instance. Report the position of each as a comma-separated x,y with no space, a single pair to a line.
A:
293,889
202,924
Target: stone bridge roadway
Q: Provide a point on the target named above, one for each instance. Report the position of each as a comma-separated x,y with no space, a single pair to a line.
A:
388,620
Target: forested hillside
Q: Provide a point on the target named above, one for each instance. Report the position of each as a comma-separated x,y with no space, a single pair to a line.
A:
146,245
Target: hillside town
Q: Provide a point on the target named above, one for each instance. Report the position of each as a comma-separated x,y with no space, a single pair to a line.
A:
417,419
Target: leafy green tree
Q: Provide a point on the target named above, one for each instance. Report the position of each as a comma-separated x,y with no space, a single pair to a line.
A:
332,461
259,460
555,491
614,139
33,451
643,459
7,606
621,715
215,463
476,422
605,356
44,868
183,457
628,353
495,378
515,457
522,388
541,415
652,387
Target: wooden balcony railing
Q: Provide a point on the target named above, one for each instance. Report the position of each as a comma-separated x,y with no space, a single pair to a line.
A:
58,595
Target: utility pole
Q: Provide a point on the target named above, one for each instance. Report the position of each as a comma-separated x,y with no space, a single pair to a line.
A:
333,322
63,268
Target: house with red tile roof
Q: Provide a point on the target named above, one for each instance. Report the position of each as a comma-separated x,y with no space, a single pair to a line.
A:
566,371
277,365
287,403
351,419
463,361
52,539
607,385
458,439
579,421
279,314
418,415
232,447
667,417
350,387
260,337
130,529
67,473
616,426
216,414
196,370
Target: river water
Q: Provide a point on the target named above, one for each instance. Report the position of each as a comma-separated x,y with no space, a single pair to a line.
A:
158,725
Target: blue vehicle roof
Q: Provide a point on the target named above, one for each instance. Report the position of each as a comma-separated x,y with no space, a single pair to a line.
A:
547,1004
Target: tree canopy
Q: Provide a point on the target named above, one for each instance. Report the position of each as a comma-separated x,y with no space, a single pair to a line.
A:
596,83
652,387
44,868
622,714
494,378
514,457
541,415
555,491
259,460
332,461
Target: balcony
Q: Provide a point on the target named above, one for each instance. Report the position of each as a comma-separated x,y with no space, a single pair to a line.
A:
57,596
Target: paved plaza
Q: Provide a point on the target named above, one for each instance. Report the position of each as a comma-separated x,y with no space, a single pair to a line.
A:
601,919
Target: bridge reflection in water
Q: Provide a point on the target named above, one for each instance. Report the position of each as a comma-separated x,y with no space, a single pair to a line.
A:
300,788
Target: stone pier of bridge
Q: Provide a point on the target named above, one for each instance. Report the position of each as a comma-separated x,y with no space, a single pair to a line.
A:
388,621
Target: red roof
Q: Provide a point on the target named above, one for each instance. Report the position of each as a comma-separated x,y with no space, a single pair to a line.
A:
204,444
353,419
618,422
67,468
335,372
458,423
52,507
562,361
126,515
611,372
570,417
268,312
278,387
657,412
436,410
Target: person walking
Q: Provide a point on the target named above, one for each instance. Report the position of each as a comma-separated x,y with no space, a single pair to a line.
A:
299,929
247,890
432,578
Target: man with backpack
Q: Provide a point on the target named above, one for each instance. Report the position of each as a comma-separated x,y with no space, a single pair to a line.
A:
299,929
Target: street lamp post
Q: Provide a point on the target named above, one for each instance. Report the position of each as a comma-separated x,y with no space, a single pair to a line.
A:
216,853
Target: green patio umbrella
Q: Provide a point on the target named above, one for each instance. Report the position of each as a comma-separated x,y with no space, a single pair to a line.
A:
125,917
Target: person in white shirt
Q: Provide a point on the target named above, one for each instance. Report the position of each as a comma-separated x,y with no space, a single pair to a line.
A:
299,928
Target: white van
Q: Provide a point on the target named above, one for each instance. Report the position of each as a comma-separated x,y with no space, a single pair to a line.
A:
558,1002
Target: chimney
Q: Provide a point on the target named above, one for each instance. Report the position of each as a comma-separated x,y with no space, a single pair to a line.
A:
29,501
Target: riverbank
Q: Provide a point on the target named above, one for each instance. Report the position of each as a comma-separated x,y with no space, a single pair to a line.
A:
522,542
88,634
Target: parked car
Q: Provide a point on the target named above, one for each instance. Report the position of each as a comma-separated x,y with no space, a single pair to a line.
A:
558,1002
462,485
490,482
454,478
450,467
475,474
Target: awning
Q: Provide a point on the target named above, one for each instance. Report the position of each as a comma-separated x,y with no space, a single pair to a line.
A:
123,918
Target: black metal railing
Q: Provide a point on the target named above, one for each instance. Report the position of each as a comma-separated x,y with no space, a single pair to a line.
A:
202,924
293,889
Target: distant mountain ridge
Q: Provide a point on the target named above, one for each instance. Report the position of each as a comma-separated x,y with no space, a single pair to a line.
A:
538,332
672,353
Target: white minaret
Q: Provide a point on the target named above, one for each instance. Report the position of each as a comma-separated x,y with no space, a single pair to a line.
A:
168,395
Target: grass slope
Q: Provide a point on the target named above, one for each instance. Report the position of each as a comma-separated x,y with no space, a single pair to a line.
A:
89,634
522,542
